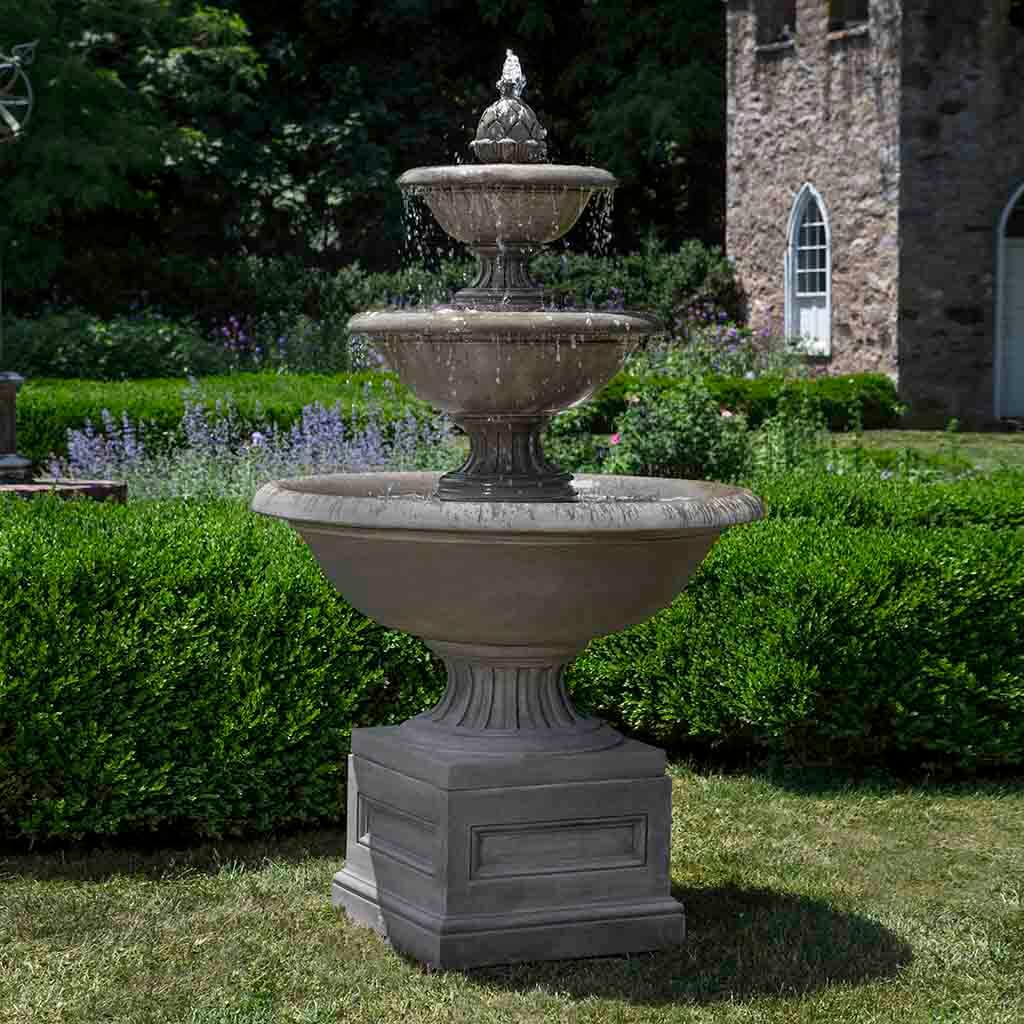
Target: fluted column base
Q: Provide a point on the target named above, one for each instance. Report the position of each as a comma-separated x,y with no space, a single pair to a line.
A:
506,463
502,280
507,700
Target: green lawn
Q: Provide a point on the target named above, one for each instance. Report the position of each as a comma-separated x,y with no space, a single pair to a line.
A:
936,448
806,902
985,451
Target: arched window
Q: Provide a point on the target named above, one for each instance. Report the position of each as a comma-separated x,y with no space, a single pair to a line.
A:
1009,365
809,273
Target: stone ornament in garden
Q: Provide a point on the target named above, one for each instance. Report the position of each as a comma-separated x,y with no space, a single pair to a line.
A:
504,824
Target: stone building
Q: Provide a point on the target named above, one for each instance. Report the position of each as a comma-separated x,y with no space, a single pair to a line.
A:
875,201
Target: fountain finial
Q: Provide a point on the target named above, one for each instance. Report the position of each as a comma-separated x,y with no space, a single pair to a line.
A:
509,132
512,81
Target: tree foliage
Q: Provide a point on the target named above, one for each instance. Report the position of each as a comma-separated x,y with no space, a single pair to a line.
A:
94,142
211,129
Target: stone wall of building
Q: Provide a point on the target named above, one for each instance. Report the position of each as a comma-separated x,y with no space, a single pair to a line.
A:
962,156
821,108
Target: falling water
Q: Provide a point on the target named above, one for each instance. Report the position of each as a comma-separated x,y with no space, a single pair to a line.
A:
599,227
416,226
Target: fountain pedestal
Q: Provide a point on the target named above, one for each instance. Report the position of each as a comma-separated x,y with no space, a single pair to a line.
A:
505,826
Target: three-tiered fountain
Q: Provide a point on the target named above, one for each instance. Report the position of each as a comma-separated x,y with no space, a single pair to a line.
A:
502,824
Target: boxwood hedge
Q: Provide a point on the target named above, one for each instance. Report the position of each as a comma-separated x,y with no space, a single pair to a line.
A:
819,641
47,409
869,398
995,501
180,665
184,665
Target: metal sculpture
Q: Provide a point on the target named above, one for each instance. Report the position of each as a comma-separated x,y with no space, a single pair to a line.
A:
16,96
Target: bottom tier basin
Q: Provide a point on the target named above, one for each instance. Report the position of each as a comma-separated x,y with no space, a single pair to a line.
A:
507,573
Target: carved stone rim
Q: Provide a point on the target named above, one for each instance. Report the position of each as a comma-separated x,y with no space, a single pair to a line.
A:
632,508
452,324
528,177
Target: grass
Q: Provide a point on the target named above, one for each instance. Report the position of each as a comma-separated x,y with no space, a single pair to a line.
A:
939,449
808,901
982,451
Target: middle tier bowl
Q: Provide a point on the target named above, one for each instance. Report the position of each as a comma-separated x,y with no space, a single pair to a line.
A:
487,362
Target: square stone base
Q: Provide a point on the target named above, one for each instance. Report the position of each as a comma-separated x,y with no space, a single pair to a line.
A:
463,859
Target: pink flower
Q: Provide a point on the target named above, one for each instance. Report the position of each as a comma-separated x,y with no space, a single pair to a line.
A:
614,439
724,413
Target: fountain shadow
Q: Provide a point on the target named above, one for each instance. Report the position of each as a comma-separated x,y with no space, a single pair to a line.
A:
742,944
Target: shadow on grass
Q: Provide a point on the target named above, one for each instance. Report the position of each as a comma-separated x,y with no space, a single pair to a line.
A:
912,775
160,858
741,944
828,781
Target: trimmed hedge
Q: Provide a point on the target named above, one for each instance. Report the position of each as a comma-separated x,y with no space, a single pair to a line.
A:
871,396
180,665
868,397
187,665
47,409
863,499
822,642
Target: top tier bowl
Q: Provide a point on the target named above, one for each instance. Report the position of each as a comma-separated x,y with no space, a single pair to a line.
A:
506,204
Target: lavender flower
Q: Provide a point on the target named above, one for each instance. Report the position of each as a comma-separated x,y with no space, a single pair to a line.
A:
223,456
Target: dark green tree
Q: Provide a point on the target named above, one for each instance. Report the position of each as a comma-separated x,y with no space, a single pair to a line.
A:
194,133
649,88
94,142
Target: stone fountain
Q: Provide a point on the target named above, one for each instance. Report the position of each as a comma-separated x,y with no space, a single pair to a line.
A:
503,824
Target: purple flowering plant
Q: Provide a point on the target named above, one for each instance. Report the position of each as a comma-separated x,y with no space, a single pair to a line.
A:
224,457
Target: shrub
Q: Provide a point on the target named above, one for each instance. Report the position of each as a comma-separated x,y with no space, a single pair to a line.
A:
180,664
818,641
864,499
678,432
795,436
72,344
864,400
670,285
47,410
245,314
187,665
570,443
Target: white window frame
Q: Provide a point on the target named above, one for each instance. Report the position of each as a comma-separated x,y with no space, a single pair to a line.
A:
813,346
1000,354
